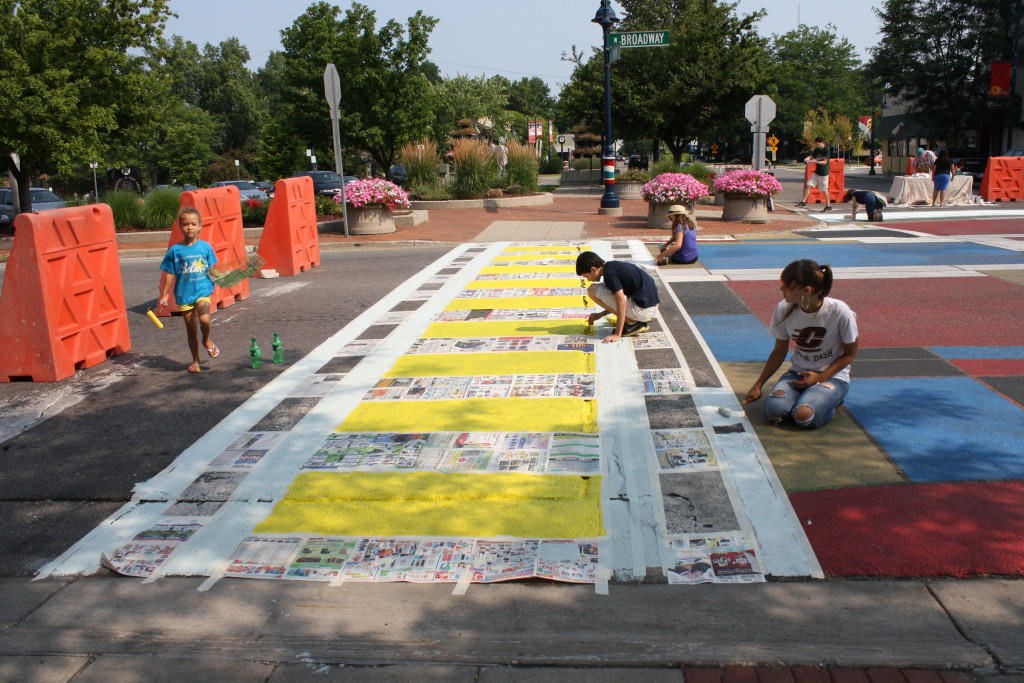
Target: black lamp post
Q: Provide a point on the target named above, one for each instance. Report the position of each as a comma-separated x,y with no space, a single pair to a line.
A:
609,201
873,108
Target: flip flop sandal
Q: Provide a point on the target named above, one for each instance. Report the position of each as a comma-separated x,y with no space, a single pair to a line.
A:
194,368
214,352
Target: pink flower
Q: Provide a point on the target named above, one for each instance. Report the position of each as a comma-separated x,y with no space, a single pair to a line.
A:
747,182
671,188
359,193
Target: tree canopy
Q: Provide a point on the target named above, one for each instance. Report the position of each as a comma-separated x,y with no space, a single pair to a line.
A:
65,91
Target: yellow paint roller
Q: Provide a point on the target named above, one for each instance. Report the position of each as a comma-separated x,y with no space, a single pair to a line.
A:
156,320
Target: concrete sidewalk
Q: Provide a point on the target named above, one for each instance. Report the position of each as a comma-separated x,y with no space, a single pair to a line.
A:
113,629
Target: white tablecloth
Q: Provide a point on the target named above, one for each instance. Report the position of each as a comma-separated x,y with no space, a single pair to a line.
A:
918,190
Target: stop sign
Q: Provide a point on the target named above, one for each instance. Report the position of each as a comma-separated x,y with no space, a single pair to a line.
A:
760,110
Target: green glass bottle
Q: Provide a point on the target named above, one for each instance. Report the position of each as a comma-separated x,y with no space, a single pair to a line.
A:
255,355
278,349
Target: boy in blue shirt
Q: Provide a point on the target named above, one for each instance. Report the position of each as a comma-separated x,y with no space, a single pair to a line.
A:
626,291
185,267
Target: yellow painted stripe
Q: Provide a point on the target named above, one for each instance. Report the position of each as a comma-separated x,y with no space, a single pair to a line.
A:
535,257
526,302
474,415
539,247
517,284
506,328
498,270
439,504
476,364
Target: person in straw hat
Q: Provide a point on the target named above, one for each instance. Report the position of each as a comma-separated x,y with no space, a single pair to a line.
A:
681,247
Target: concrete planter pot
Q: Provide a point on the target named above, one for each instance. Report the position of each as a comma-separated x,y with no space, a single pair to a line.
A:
628,189
372,219
739,208
657,214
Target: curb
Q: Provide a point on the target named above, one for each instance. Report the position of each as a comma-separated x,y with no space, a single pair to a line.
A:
502,203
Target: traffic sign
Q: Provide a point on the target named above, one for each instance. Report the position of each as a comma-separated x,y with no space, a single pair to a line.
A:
638,39
332,88
760,111
773,141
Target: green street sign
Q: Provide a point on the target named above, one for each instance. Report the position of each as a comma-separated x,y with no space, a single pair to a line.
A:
638,39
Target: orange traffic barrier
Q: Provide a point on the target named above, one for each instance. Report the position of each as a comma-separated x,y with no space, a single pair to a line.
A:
221,209
836,182
910,166
1004,179
290,243
63,306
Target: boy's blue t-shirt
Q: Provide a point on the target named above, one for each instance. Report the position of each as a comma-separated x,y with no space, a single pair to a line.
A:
189,265
634,283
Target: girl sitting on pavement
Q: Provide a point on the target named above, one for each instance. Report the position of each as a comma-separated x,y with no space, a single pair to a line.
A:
682,246
824,335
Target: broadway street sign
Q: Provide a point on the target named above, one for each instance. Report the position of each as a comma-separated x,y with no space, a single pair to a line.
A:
638,39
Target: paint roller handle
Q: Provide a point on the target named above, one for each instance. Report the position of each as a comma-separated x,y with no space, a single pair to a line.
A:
156,320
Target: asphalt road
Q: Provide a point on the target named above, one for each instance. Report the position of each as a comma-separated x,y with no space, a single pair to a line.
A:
125,420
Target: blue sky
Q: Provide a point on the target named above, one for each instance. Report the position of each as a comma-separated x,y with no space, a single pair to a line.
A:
474,37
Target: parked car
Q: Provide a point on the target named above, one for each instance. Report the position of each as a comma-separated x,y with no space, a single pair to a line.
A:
266,186
968,161
350,179
246,189
1015,152
325,183
187,187
398,174
42,199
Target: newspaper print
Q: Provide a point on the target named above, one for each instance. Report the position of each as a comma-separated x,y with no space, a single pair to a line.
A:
392,318
508,292
263,557
485,386
652,340
359,347
247,450
527,276
569,342
679,449
506,314
149,549
568,560
320,558
504,560
663,382
731,558
317,385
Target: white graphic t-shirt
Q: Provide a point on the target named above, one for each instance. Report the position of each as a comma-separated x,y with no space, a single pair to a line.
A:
817,337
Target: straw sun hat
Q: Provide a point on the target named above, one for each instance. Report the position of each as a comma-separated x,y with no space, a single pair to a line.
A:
679,210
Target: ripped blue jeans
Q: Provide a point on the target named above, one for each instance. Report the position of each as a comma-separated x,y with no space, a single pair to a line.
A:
822,398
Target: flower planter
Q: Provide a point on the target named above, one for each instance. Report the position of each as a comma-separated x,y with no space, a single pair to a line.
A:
740,208
628,189
657,214
372,219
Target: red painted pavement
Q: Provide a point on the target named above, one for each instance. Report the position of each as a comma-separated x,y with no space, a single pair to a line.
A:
991,367
951,529
976,226
977,311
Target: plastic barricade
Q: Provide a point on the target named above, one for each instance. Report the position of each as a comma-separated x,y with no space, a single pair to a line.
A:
1003,180
910,166
836,182
221,209
290,243
62,306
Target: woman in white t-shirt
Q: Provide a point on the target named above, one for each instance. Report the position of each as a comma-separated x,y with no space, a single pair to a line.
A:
824,335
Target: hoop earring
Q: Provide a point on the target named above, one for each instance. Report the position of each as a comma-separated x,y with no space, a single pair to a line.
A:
803,302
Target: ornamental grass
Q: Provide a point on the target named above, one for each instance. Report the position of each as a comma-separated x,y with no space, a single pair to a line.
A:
160,209
749,183
673,188
521,168
475,169
420,160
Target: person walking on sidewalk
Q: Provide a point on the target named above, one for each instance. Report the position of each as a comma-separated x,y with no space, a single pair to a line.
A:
682,246
626,291
824,335
819,156
186,268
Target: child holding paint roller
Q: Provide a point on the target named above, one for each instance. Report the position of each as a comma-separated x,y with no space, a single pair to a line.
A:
186,267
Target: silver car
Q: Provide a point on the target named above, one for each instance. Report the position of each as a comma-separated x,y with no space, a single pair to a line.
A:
246,189
42,199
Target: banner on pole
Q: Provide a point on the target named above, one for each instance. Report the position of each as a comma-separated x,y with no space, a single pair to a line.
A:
1000,86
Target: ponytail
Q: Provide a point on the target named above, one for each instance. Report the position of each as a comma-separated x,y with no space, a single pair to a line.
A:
807,273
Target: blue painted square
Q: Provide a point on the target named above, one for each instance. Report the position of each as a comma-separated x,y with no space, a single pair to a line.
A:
942,428
982,352
845,255
735,337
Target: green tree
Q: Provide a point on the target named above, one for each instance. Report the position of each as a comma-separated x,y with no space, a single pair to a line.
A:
695,87
387,99
935,56
65,90
467,97
815,68
531,96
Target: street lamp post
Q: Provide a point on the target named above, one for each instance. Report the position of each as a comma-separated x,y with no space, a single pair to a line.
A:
95,186
609,201
873,110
